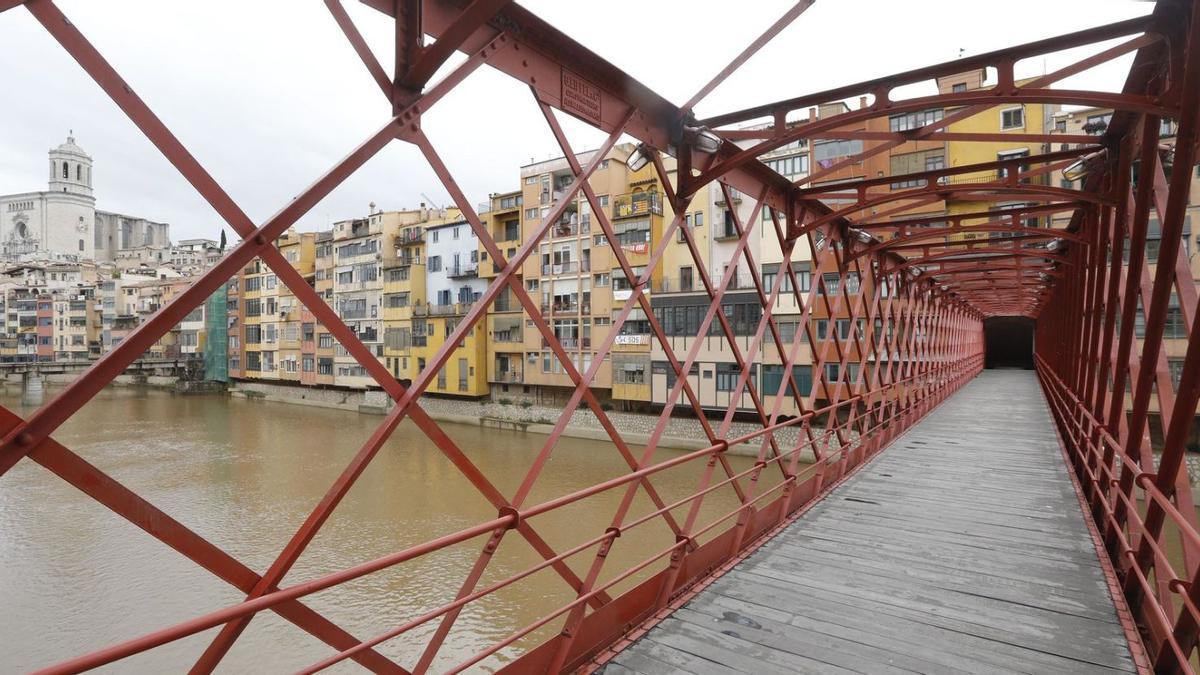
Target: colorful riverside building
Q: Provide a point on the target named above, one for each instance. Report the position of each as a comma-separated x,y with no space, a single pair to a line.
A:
251,319
372,271
1015,120
358,289
403,290
20,342
506,320
679,300
279,318
322,348
453,286
299,250
235,333
579,281
363,248
76,325
1094,121
820,164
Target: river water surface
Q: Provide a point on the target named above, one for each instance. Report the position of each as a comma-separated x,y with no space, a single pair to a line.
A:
74,577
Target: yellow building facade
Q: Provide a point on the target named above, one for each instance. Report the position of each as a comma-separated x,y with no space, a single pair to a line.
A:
577,280
1014,119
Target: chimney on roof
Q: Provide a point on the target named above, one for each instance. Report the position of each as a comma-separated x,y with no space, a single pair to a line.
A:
862,102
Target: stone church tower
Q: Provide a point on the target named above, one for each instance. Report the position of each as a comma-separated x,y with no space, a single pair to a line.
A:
70,169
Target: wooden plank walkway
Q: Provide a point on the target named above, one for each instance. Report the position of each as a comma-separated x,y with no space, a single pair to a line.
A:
960,549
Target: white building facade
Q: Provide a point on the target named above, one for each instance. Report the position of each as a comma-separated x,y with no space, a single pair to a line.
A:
452,265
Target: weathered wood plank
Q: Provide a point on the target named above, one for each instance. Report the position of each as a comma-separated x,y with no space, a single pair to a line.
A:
961,549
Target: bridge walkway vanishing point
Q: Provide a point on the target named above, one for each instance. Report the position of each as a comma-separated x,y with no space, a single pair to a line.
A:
962,548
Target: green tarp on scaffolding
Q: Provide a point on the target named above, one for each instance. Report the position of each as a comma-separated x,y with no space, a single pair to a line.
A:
216,340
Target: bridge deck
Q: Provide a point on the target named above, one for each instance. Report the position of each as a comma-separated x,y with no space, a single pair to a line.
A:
960,549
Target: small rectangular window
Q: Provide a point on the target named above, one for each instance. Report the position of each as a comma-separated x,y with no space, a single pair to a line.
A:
1013,118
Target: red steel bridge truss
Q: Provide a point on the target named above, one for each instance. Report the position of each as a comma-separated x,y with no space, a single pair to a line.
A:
932,289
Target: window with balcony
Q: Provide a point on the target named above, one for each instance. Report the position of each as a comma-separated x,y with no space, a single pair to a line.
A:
621,283
789,166
1004,172
630,369
358,248
727,227
637,323
353,308
685,278
637,203
397,338
826,153
916,162
1096,124
914,120
632,233
787,329
832,282
1154,239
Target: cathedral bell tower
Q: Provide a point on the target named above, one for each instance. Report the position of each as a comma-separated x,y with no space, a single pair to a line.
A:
70,169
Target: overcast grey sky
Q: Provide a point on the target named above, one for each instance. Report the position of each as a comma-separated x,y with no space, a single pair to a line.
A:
267,94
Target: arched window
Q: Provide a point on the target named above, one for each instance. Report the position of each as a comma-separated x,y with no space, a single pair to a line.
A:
80,244
78,172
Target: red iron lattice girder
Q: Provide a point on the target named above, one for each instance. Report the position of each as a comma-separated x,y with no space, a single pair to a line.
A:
918,341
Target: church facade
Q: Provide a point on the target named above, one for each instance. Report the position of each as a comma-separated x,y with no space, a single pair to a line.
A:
62,223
